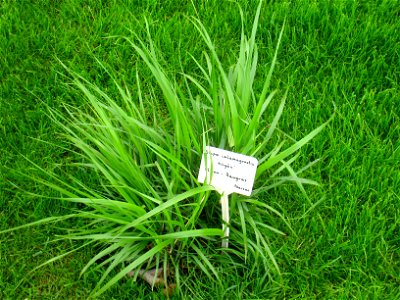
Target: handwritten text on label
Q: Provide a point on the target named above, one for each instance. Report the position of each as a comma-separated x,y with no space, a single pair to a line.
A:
227,171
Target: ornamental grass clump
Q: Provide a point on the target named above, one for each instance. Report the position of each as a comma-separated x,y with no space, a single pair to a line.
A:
150,217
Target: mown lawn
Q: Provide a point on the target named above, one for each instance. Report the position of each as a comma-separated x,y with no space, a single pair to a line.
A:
341,56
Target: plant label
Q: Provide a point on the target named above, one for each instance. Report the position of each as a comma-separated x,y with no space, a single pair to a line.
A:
227,171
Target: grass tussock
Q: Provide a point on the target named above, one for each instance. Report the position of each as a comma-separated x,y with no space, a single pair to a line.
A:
130,180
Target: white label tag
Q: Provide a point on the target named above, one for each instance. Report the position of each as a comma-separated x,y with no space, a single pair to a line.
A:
227,171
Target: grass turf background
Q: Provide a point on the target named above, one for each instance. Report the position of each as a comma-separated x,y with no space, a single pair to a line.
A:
342,52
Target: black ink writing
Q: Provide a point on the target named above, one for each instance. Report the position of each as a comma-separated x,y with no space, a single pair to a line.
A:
241,188
212,153
225,166
236,178
214,172
238,160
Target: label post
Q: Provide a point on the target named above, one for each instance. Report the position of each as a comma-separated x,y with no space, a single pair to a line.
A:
228,172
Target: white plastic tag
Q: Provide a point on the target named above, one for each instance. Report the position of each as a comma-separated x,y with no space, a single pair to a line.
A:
227,171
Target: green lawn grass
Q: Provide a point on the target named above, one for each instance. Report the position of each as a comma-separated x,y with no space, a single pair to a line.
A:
333,53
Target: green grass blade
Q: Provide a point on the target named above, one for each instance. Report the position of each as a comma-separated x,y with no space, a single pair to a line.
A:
276,159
